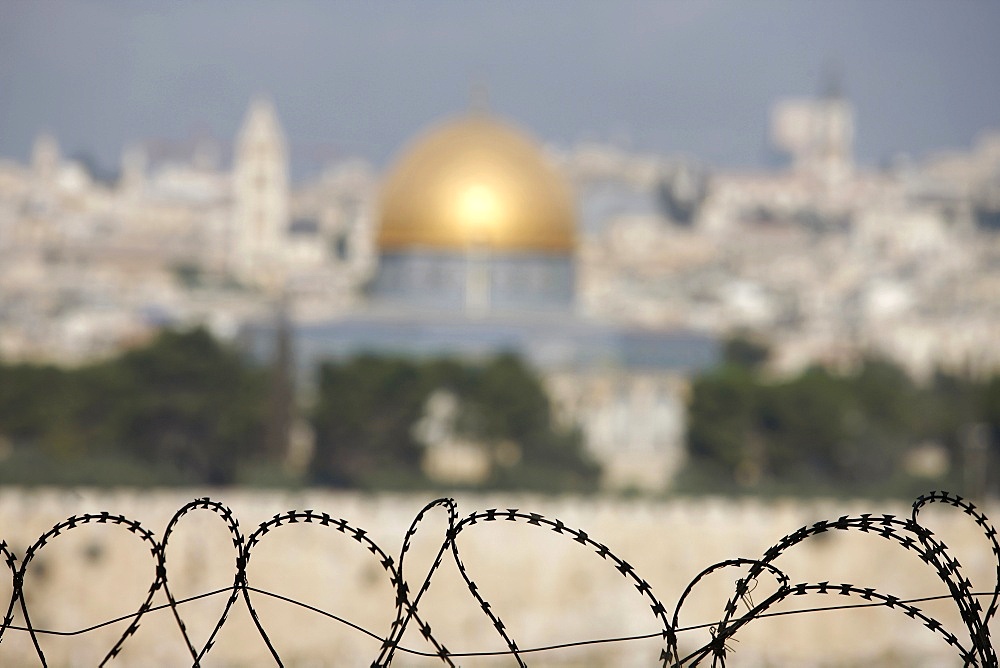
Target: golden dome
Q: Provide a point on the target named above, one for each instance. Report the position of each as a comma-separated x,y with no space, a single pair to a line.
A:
476,182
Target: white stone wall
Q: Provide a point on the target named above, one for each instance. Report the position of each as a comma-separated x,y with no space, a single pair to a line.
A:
546,587
632,423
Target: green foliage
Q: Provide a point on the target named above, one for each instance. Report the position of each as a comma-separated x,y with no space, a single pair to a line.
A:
989,406
364,417
187,410
188,402
33,401
722,411
516,413
184,406
368,407
822,431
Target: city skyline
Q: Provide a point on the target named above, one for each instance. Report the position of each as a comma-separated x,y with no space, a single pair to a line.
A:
358,80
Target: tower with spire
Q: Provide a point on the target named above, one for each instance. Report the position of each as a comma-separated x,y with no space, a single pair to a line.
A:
260,197
817,133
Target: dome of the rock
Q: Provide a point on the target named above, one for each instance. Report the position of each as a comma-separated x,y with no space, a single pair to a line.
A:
475,183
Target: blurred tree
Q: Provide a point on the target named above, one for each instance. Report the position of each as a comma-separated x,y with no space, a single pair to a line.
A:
721,419
368,407
804,425
36,406
989,405
187,401
363,421
281,396
843,431
988,415
184,402
530,450
186,408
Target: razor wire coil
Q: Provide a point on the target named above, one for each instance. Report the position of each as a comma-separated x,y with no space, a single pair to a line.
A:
762,580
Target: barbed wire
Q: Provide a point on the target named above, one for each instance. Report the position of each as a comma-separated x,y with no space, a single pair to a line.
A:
974,649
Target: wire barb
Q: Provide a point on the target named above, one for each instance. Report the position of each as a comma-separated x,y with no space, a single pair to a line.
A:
974,650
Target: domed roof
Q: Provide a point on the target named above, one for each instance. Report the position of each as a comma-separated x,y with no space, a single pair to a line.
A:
475,182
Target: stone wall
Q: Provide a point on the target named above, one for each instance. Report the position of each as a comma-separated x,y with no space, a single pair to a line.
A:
546,587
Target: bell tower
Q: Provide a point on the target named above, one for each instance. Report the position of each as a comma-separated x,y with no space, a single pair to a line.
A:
260,197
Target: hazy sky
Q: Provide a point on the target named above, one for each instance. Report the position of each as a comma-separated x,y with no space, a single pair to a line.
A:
359,78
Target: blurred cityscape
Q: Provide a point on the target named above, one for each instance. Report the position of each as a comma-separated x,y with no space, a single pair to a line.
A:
298,306
617,275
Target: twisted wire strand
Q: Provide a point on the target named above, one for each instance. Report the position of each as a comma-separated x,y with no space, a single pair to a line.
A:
529,650
907,533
